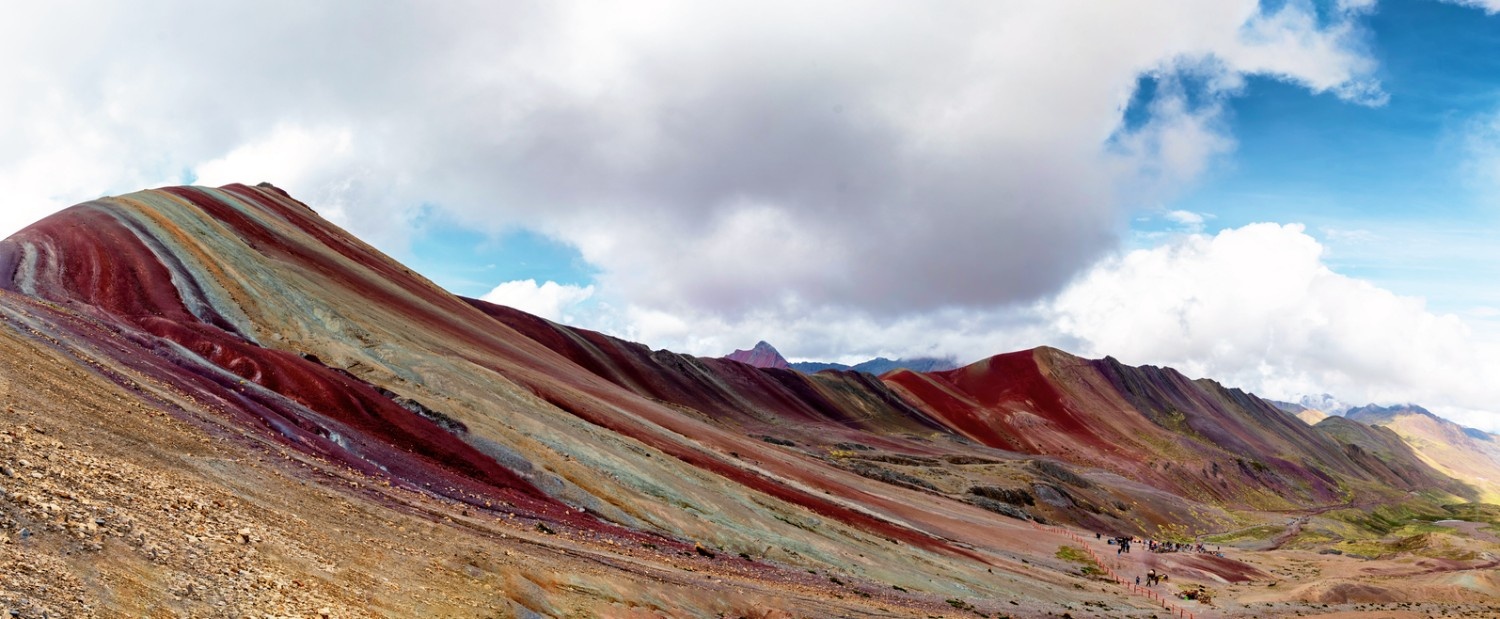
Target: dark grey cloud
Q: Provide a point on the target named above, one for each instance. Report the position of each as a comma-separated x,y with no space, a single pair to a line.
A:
723,159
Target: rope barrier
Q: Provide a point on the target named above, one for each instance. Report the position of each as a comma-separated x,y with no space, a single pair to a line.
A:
1132,588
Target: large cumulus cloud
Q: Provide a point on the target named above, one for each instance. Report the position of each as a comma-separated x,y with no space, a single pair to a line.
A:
841,178
733,158
1258,307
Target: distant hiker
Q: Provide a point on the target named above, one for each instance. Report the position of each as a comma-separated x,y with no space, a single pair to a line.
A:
1098,535
1137,581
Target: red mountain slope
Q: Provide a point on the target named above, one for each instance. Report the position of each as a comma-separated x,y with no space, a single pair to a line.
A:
329,378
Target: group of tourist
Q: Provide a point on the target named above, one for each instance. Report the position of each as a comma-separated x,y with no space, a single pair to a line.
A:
1122,545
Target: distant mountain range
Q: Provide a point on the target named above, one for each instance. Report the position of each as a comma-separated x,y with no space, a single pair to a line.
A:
1454,450
1323,403
764,355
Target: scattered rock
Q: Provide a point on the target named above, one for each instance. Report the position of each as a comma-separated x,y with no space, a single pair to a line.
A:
897,478
1004,509
1005,495
1052,495
776,441
1060,473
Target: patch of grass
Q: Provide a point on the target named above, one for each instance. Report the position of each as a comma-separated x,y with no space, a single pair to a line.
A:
1069,553
1312,537
1420,528
1474,512
1421,544
1262,532
1411,543
1363,548
1074,555
1386,519
1174,532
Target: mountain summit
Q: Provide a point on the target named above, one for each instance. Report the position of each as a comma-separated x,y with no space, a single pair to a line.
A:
1325,403
763,355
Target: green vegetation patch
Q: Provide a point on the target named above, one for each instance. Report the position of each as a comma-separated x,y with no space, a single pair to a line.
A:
1387,519
1069,553
1260,533
1474,512
1309,538
1074,555
1432,545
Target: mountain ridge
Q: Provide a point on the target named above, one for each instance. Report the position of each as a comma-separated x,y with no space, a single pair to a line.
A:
764,355
235,343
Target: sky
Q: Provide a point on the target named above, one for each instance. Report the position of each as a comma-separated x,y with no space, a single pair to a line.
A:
1290,197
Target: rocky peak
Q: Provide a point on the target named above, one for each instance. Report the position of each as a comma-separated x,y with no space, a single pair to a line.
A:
763,355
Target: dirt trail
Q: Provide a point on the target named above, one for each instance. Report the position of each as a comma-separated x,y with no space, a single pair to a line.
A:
1294,528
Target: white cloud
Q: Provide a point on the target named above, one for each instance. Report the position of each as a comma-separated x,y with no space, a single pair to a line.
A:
1349,235
551,300
827,176
809,333
890,157
1489,6
1289,44
346,179
1189,220
1256,307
